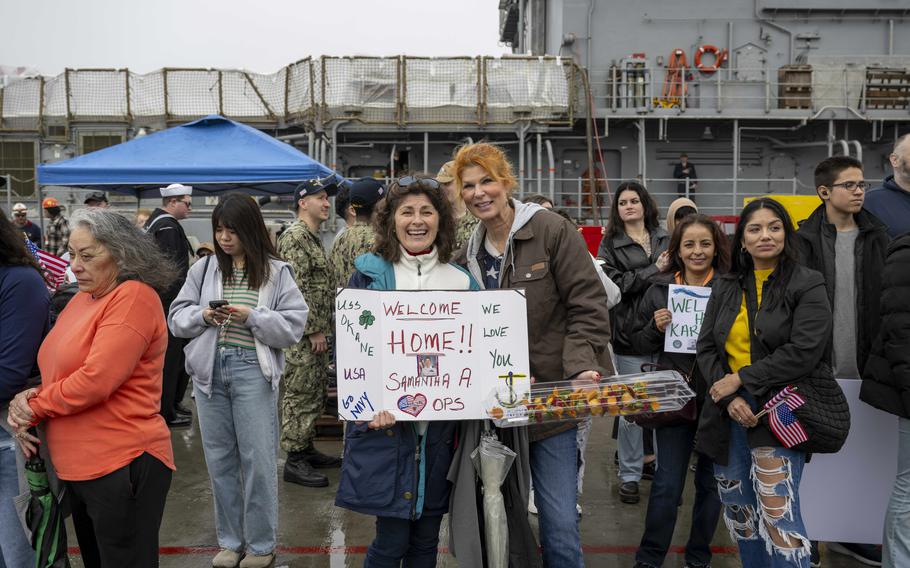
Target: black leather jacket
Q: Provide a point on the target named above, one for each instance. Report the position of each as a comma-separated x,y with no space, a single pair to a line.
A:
627,265
791,331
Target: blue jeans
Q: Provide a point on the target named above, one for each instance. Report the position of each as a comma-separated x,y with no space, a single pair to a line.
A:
896,542
15,550
674,444
239,425
413,542
760,491
629,441
554,467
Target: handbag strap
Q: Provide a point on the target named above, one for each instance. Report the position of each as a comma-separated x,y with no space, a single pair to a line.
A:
657,367
205,270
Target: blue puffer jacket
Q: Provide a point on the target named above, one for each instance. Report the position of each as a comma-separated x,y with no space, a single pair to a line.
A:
386,473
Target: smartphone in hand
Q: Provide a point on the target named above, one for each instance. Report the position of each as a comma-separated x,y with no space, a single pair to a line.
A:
215,304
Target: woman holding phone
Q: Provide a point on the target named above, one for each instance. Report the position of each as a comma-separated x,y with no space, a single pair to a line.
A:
240,308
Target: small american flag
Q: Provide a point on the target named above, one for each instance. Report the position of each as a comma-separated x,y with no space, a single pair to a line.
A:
54,267
783,421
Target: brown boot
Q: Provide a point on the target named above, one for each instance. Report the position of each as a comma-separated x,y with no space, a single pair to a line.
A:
226,559
253,561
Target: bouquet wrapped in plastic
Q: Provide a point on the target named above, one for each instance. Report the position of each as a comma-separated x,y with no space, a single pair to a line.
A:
619,395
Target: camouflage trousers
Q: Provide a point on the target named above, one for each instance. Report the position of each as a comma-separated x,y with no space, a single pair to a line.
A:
305,385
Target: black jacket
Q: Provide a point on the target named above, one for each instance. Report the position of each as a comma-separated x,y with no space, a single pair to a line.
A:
886,380
680,175
629,268
817,239
171,239
646,338
791,331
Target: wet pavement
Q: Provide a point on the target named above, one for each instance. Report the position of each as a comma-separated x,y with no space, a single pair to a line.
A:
314,533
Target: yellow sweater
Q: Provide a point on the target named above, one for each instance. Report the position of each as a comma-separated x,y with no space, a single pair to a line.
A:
739,350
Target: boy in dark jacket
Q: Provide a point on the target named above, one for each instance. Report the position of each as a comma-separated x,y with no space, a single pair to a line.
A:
847,245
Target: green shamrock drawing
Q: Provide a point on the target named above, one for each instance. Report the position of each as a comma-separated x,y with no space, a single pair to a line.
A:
367,319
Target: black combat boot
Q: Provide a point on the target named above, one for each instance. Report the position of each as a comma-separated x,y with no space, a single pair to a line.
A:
318,459
298,470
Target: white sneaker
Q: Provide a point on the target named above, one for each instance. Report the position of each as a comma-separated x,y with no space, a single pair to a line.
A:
532,508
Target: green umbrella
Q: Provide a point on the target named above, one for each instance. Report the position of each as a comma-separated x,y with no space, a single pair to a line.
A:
44,518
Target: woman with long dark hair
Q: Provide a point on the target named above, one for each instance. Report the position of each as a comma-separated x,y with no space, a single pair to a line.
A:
23,311
699,253
632,251
766,327
240,308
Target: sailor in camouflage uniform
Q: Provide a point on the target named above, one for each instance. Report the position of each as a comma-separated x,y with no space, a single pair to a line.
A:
464,221
305,380
357,239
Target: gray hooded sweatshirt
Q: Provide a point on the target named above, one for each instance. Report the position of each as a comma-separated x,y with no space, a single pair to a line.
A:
277,321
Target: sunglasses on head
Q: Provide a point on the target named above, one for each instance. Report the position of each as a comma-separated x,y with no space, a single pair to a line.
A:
426,183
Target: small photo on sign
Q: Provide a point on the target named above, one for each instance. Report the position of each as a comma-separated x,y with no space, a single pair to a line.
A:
428,365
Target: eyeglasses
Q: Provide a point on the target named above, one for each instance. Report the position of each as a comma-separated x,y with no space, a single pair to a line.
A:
426,183
187,202
852,185
19,214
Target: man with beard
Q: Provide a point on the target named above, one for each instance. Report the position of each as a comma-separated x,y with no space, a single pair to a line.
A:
890,201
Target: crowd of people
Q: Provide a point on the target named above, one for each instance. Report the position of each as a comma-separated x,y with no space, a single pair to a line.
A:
95,388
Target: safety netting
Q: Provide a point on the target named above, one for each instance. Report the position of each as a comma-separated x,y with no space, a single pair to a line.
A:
374,90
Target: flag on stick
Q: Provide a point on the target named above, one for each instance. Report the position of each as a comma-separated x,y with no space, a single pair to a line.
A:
54,267
782,420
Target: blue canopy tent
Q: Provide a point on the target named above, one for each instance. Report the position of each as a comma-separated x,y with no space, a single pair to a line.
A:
213,154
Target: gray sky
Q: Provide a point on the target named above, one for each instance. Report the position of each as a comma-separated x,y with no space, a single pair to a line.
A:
258,35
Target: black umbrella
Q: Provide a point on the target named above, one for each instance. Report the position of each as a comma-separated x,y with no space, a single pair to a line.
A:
44,517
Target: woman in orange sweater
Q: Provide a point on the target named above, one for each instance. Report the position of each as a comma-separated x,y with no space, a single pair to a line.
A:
100,393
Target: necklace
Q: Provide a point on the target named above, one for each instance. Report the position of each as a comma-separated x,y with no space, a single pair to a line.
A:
644,241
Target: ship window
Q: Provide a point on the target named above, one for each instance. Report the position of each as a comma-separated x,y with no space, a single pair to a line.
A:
17,159
89,142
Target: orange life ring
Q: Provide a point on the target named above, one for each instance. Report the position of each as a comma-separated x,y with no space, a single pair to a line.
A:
720,55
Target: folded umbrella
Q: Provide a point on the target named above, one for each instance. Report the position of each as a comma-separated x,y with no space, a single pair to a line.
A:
44,518
492,460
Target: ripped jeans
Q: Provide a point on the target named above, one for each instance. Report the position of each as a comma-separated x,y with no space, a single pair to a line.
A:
759,489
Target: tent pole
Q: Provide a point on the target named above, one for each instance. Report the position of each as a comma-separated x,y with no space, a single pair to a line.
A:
426,152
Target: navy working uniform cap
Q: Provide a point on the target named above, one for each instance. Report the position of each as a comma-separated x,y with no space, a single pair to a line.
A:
366,192
314,186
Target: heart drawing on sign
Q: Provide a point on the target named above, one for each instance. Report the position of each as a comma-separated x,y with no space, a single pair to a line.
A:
412,404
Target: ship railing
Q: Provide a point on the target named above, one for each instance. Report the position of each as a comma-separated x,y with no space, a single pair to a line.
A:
589,203
855,89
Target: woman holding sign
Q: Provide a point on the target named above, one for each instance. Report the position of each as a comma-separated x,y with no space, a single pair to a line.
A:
766,327
525,246
240,307
397,472
698,253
